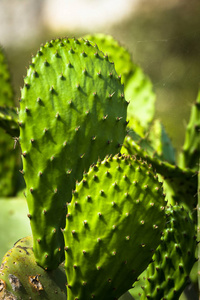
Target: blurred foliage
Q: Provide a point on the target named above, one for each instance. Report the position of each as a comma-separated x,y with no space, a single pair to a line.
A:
14,222
165,43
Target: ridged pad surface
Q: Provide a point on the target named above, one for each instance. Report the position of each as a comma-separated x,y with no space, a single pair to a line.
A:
173,260
113,226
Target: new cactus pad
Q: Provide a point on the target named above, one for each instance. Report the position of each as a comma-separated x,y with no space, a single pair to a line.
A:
173,260
21,277
72,112
113,227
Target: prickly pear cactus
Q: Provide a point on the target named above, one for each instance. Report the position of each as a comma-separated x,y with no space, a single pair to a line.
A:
21,277
72,111
173,260
113,227
189,157
160,141
8,155
137,86
175,178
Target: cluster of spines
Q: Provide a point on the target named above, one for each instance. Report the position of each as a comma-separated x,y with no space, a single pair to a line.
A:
174,176
173,260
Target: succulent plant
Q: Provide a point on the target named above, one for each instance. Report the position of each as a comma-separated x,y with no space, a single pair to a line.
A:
97,193
113,227
22,278
173,260
72,112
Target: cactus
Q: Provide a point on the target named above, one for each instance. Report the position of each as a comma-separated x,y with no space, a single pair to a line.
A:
160,141
189,157
113,227
173,260
8,162
72,123
72,97
137,86
175,178
22,278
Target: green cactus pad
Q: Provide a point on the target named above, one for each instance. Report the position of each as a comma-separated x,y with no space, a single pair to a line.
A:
8,155
137,86
191,150
21,277
160,141
175,178
72,111
173,260
113,227
9,121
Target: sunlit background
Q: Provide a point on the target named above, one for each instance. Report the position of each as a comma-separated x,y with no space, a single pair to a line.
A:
162,36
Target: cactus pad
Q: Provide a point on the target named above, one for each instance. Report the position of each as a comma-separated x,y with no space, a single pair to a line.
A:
21,277
137,86
173,260
175,178
72,111
191,150
160,141
113,226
